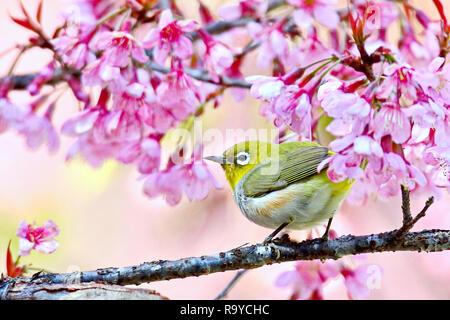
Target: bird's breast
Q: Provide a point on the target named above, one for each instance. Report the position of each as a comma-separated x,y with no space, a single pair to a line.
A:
305,205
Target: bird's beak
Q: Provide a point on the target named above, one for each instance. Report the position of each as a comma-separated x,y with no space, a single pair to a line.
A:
217,159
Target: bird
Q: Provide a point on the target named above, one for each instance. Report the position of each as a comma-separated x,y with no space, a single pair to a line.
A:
278,186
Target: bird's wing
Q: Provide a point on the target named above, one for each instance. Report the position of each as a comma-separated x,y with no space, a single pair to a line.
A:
294,165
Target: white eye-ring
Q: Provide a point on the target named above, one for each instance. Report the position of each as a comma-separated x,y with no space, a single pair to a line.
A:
242,158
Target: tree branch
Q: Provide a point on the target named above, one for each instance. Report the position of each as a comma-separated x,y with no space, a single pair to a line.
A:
249,257
24,290
20,82
203,75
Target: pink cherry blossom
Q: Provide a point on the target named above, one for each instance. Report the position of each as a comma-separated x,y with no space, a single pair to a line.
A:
310,49
302,118
361,190
428,115
357,281
434,79
308,278
198,178
166,183
139,93
119,47
367,146
392,120
177,93
379,15
158,116
242,9
37,238
117,126
87,11
45,75
274,44
102,133
416,52
146,153
399,82
101,73
198,181
234,72
217,57
39,130
320,10
73,46
396,171
77,89
293,109
194,179
91,150
170,38
439,173
349,110
11,114
81,122
264,87
339,102
346,165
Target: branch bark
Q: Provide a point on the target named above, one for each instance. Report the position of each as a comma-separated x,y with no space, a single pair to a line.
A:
203,75
24,290
20,82
249,257
406,206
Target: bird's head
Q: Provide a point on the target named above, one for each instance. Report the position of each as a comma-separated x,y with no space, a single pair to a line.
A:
238,160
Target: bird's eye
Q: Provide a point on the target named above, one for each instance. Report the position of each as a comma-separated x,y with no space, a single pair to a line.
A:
242,158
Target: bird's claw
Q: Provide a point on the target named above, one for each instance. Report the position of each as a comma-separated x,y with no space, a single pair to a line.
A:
267,240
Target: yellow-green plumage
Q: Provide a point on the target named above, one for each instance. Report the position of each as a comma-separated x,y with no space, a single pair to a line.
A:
280,183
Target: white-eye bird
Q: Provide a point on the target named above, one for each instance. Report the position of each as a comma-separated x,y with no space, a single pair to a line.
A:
278,185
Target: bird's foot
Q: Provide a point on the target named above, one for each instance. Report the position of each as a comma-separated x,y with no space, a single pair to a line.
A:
270,237
267,240
327,231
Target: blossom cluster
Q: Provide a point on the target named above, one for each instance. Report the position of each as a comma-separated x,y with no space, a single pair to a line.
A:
140,68
309,278
31,237
127,107
382,107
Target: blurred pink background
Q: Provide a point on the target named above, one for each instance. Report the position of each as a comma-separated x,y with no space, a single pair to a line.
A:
105,219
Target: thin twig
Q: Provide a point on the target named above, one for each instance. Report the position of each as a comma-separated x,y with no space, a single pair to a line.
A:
164,4
406,206
366,62
223,26
411,222
231,284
